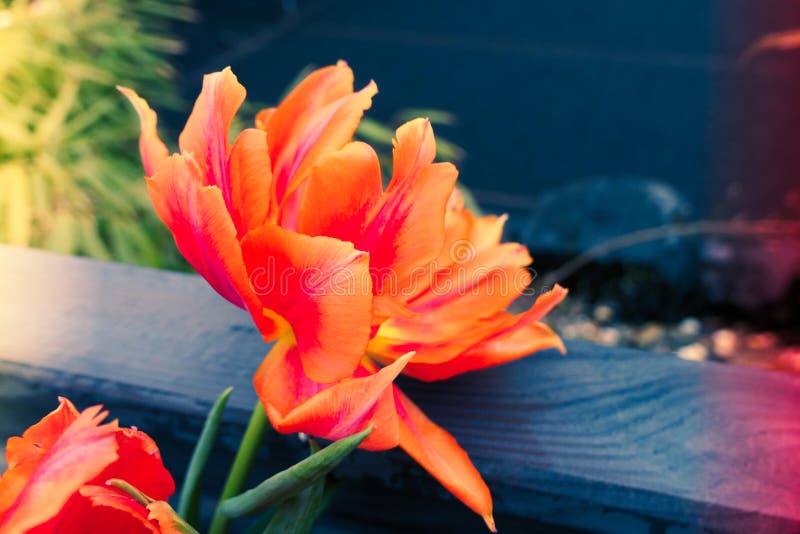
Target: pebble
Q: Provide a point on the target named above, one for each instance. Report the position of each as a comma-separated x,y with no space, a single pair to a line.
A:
650,334
724,342
581,330
603,313
695,352
689,327
608,336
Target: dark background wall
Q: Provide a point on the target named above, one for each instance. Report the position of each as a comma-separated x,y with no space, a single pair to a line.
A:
545,92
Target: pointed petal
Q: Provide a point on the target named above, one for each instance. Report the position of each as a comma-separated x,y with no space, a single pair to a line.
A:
487,231
153,151
23,453
82,451
438,452
466,234
40,437
515,337
204,233
476,285
294,403
458,222
433,341
440,344
315,91
251,180
200,223
517,342
315,136
407,233
318,116
205,136
321,287
341,193
414,148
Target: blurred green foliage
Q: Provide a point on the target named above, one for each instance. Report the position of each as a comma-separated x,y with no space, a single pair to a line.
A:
70,178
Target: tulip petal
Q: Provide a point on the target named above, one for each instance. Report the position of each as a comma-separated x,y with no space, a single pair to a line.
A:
319,116
205,135
40,437
321,133
517,342
82,451
515,337
140,465
465,234
200,223
318,89
251,180
294,403
477,287
407,232
321,287
437,451
414,149
440,344
153,151
341,193
487,231
205,234
107,509
23,453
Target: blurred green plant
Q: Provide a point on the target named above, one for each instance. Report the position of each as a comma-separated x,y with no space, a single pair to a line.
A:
69,179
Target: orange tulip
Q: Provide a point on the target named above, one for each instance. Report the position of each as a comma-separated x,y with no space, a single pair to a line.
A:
57,473
212,194
292,222
414,232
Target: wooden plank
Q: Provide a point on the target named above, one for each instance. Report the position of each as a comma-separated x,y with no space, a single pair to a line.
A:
603,436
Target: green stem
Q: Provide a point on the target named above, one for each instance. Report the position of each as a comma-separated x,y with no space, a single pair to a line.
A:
245,456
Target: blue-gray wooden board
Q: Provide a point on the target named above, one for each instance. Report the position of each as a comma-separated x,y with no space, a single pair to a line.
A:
603,439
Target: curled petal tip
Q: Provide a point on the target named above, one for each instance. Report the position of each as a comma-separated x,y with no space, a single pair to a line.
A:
403,360
490,522
560,290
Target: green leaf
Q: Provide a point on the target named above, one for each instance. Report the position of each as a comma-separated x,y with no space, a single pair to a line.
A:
374,132
189,504
242,463
436,116
134,492
290,482
161,511
297,515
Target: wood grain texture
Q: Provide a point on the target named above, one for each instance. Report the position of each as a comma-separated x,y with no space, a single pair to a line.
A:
604,438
